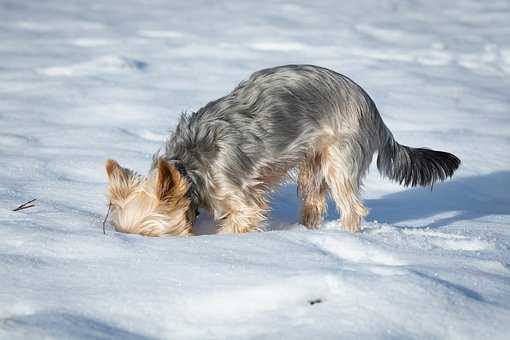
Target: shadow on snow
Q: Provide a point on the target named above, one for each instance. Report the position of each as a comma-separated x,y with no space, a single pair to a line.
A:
465,198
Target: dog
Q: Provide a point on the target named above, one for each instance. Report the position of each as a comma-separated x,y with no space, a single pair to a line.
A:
230,154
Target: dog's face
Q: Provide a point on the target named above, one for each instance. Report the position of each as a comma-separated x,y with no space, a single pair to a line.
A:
155,205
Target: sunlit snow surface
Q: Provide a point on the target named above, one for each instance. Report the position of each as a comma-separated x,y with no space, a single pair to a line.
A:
83,81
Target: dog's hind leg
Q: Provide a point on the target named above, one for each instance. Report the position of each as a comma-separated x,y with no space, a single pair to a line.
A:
312,189
344,167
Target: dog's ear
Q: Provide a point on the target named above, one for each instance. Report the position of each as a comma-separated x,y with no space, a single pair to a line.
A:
115,171
169,181
121,181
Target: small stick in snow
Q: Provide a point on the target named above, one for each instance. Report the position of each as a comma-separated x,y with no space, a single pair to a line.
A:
313,302
25,205
106,217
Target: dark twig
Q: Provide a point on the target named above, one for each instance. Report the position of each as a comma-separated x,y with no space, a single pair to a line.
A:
25,205
313,302
106,217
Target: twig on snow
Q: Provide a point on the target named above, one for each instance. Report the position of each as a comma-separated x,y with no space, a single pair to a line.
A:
25,205
106,217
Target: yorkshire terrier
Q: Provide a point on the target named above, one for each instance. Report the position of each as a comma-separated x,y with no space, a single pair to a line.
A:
230,154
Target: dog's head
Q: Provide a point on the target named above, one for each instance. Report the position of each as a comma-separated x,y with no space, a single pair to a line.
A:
155,205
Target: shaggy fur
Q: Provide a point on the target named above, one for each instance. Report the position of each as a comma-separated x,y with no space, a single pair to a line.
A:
152,206
236,149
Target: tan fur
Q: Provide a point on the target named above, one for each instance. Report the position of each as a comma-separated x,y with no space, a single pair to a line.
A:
235,211
157,205
344,184
152,206
312,189
241,216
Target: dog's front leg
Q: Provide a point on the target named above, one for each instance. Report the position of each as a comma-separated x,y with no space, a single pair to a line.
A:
241,219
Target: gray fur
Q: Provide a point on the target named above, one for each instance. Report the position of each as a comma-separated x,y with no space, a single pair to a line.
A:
275,120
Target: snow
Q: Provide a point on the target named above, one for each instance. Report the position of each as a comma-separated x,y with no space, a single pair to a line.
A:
81,82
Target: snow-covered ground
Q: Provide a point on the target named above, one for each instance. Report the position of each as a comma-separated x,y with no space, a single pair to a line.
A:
83,81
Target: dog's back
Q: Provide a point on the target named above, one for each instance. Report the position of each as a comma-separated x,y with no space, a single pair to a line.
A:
278,113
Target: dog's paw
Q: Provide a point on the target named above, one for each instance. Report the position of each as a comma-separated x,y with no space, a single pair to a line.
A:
239,230
350,225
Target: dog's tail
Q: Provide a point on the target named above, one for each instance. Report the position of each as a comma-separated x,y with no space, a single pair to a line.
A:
413,166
